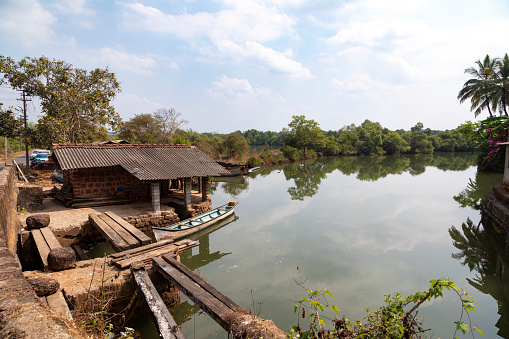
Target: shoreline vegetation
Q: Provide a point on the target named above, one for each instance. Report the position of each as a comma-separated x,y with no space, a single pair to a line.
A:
304,140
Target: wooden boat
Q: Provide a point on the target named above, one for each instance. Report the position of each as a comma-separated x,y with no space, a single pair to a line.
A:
58,175
237,169
194,224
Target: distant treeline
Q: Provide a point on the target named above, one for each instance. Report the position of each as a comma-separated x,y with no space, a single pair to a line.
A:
302,139
305,139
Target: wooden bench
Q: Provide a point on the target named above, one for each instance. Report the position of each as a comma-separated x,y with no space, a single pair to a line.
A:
118,232
45,241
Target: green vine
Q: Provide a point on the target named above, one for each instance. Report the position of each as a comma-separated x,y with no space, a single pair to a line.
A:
393,320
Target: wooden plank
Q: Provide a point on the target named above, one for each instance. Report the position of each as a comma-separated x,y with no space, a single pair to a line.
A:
200,281
140,249
128,237
57,302
207,302
142,237
146,256
42,247
165,323
146,248
113,238
79,251
50,238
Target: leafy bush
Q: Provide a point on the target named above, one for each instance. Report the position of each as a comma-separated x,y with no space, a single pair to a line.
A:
254,161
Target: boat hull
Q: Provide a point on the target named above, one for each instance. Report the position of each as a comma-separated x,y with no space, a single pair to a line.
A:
167,233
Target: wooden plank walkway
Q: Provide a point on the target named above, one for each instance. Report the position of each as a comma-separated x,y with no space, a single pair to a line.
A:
165,323
118,232
213,302
45,241
144,254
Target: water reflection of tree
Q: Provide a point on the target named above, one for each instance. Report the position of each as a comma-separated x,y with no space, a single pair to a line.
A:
236,186
476,190
308,175
481,251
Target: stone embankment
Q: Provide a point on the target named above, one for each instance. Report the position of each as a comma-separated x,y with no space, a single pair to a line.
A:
495,211
22,314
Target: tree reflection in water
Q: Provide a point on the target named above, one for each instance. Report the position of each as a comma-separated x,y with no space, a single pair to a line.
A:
484,252
476,190
308,175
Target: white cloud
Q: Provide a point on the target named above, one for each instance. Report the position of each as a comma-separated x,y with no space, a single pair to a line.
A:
245,21
119,60
361,86
128,104
237,32
26,22
275,61
73,7
77,10
240,88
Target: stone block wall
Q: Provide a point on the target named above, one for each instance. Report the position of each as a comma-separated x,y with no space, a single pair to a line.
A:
104,182
30,196
143,222
22,314
189,211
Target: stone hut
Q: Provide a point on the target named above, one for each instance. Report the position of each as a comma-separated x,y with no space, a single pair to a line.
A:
116,173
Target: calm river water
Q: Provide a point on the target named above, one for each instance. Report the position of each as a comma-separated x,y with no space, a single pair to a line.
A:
362,227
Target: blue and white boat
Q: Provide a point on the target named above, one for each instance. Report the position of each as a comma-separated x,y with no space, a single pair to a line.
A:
194,224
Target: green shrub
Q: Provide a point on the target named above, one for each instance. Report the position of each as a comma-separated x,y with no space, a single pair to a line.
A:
254,161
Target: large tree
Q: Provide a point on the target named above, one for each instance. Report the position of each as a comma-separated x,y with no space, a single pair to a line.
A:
170,122
9,125
159,127
305,134
476,89
76,103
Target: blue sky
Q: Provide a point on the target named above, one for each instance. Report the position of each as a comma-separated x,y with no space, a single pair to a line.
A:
231,65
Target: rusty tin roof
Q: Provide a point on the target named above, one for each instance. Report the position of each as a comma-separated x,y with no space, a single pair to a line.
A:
144,161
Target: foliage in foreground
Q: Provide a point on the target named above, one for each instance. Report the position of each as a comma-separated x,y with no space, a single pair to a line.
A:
392,320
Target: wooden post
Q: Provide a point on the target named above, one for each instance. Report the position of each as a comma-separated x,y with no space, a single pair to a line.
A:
204,188
166,325
187,191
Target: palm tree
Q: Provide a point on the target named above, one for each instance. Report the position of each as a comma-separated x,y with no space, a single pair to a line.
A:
498,86
476,89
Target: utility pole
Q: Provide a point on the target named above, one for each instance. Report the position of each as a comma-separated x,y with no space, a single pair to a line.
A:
25,119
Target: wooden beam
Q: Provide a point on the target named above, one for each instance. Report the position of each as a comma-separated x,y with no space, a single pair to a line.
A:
113,238
79,252
142,237
147,256
50,238
207,302
199,280
140,249
125,235
165,323
42,247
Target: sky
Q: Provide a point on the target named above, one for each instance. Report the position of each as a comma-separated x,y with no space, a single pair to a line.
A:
229,65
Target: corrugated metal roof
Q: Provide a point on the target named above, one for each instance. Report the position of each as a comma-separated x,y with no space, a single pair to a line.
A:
144,161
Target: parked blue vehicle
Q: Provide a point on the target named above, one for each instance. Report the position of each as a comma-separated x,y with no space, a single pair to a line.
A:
39,158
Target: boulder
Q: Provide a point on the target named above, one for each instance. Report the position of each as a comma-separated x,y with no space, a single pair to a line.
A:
61,258
44,286
37,221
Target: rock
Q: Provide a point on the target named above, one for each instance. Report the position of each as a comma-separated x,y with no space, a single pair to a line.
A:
61,258
44,286
37,221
